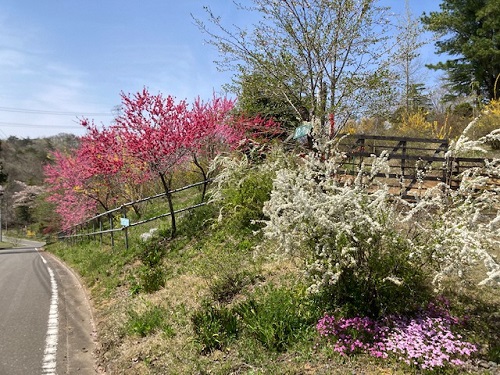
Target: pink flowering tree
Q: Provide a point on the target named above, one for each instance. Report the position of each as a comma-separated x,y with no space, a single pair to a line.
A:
215,130
156,132
112,171
63,178
94,176
153,136
219,128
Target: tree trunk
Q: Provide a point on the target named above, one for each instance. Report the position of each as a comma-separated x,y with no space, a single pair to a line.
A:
166,186
204,174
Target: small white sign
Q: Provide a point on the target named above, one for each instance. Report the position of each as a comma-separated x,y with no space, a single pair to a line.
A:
124,222
302,130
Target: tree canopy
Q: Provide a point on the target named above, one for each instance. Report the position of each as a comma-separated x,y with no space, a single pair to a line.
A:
468,34
324,56
154,136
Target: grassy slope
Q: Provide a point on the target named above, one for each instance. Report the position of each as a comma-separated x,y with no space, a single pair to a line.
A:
221,264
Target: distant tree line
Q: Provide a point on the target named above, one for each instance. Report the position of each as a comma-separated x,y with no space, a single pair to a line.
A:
22,178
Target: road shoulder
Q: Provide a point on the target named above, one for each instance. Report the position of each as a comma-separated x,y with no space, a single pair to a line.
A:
77,332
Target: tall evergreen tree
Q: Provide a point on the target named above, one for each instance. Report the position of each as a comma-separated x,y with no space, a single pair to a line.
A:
256,97
469,34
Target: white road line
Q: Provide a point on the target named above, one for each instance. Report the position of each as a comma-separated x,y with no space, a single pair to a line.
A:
49,357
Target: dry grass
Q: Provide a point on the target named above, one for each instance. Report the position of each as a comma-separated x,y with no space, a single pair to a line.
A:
193,264
180,353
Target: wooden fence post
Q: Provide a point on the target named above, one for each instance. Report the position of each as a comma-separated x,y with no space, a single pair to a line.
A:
403,159
362,146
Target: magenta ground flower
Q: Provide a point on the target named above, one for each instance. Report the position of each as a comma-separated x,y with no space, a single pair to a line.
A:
426,341
353,335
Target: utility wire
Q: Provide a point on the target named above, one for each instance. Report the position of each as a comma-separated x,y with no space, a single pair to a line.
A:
17,124
55,113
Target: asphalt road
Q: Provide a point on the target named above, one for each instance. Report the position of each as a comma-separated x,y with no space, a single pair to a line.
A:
46,324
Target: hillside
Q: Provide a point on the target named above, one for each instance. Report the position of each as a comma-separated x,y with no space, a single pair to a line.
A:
22,160
232,294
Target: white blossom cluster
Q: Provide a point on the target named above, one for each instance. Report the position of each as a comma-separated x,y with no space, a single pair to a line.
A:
465,228
461,227
338,224
26,196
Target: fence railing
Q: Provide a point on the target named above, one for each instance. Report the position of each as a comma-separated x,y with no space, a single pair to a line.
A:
414,162
107,223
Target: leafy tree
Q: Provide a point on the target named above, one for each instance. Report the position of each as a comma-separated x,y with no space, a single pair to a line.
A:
322,55
468,31
44,214
257,98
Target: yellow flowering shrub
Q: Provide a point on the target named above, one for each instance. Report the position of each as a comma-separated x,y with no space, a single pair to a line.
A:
415,124
488,122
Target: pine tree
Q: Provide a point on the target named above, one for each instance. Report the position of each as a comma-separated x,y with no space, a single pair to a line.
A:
468,32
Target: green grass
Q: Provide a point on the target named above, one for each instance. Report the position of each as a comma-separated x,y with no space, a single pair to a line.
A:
216,299
154,319
5,245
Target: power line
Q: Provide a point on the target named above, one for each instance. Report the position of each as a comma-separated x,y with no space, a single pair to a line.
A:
16,124
54,113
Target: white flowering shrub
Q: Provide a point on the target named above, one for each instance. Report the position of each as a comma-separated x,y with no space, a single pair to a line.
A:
372,253
460,229
347,234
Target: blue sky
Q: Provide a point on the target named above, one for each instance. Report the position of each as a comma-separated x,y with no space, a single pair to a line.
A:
60,60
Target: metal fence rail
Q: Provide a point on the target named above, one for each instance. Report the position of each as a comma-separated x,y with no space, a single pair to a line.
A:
95,226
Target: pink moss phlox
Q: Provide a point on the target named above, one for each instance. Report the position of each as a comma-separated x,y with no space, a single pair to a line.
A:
353,335
426,341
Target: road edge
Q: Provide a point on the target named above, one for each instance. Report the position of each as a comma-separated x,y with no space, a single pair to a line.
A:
87,301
